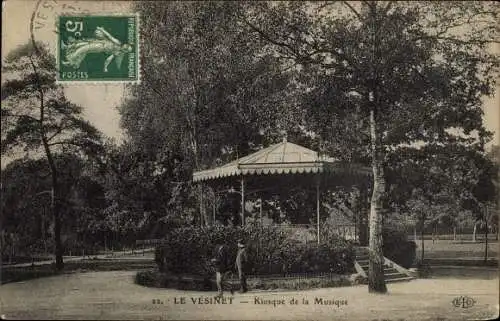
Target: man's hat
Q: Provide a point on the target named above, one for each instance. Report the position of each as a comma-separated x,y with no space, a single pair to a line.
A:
241,243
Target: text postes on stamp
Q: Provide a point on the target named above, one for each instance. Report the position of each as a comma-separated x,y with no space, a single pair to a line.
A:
98,48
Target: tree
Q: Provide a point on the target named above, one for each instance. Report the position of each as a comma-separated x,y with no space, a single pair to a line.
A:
208,95
403,68
24,201
37,117
144,191
426,209
456,175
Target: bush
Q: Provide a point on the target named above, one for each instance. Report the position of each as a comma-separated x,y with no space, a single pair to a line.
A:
397,248
271,250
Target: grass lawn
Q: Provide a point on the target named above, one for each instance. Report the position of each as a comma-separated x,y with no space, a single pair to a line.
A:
456,249
13,274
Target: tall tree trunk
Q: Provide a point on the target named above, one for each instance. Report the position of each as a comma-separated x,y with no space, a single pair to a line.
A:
376,281
2,246
202,216
486,241
55,197
53,170
55,204
57,229
55,207
422,240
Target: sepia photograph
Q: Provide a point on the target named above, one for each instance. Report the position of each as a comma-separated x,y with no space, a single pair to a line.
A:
250,160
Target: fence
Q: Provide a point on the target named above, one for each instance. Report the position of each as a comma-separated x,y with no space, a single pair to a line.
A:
466,233
150,242
309,233
291,276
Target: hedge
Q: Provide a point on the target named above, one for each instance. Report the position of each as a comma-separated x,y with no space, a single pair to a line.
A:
397,248
271,251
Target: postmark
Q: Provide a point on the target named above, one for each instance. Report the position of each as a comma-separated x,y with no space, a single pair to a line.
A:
43,18
97,48
121,69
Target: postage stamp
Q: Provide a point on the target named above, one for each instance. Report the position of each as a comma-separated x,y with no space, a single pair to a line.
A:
98,48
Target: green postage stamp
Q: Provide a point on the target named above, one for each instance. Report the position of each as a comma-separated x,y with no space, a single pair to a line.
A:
98,48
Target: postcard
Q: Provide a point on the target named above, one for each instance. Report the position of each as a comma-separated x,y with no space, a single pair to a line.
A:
237,160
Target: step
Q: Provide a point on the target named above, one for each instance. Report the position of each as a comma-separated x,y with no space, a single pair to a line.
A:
399,279
362,260
393,274
366,265
390,272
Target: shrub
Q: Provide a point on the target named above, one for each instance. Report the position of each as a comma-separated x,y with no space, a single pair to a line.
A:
189,249
397,248
271,250
274,250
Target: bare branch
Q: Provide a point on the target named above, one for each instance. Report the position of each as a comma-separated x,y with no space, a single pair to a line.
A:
457,40
324,5
388,6
270,39
64,142
305,57
346,3
24,116
58,131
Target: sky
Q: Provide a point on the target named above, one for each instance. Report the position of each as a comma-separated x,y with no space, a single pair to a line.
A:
100,101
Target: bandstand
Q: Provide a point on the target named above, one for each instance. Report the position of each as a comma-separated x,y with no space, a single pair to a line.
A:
287,163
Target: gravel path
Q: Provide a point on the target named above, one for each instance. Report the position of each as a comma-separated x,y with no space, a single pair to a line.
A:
113,295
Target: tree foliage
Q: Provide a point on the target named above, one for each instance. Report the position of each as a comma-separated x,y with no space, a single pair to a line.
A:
208,92
404,74
26,202
209,95
37,117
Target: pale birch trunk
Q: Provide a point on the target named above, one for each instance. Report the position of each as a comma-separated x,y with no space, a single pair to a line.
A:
376,281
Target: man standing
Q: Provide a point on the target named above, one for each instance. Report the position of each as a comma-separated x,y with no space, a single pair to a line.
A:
241,262
221,263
